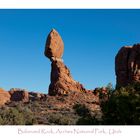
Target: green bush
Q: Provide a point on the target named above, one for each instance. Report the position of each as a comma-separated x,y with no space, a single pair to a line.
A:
123,107
81,109
59,119
17,116
11,117
85,117
87,120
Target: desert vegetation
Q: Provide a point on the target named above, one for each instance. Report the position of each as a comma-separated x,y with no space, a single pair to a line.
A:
120,106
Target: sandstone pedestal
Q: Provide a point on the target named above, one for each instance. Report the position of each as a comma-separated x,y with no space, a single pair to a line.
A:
61,79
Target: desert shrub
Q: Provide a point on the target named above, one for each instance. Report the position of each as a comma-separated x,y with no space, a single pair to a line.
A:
59,119
87,120
123,107
81,109
36,104
110,88
85,117
17,116
11,117
29,117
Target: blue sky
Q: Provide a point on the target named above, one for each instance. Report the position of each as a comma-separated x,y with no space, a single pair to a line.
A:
92,38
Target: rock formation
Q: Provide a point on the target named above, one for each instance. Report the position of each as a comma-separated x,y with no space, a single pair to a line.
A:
4,97
61,79
127,65
19,95
25,96
54,45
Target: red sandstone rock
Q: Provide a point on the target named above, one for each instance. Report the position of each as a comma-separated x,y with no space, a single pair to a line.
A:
54,45
4,97
127,65
19,95
61,79
37,96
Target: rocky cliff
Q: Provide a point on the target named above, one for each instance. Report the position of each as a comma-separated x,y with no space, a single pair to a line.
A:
127,65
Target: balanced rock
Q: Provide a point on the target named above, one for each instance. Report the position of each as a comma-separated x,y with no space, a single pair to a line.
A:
4,97
61,79
54,45
127,65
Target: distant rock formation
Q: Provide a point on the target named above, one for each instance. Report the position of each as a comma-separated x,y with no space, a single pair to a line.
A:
4,97
25,96
19,95
127,65
61,79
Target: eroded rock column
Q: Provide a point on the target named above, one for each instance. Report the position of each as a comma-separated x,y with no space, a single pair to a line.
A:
61,79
